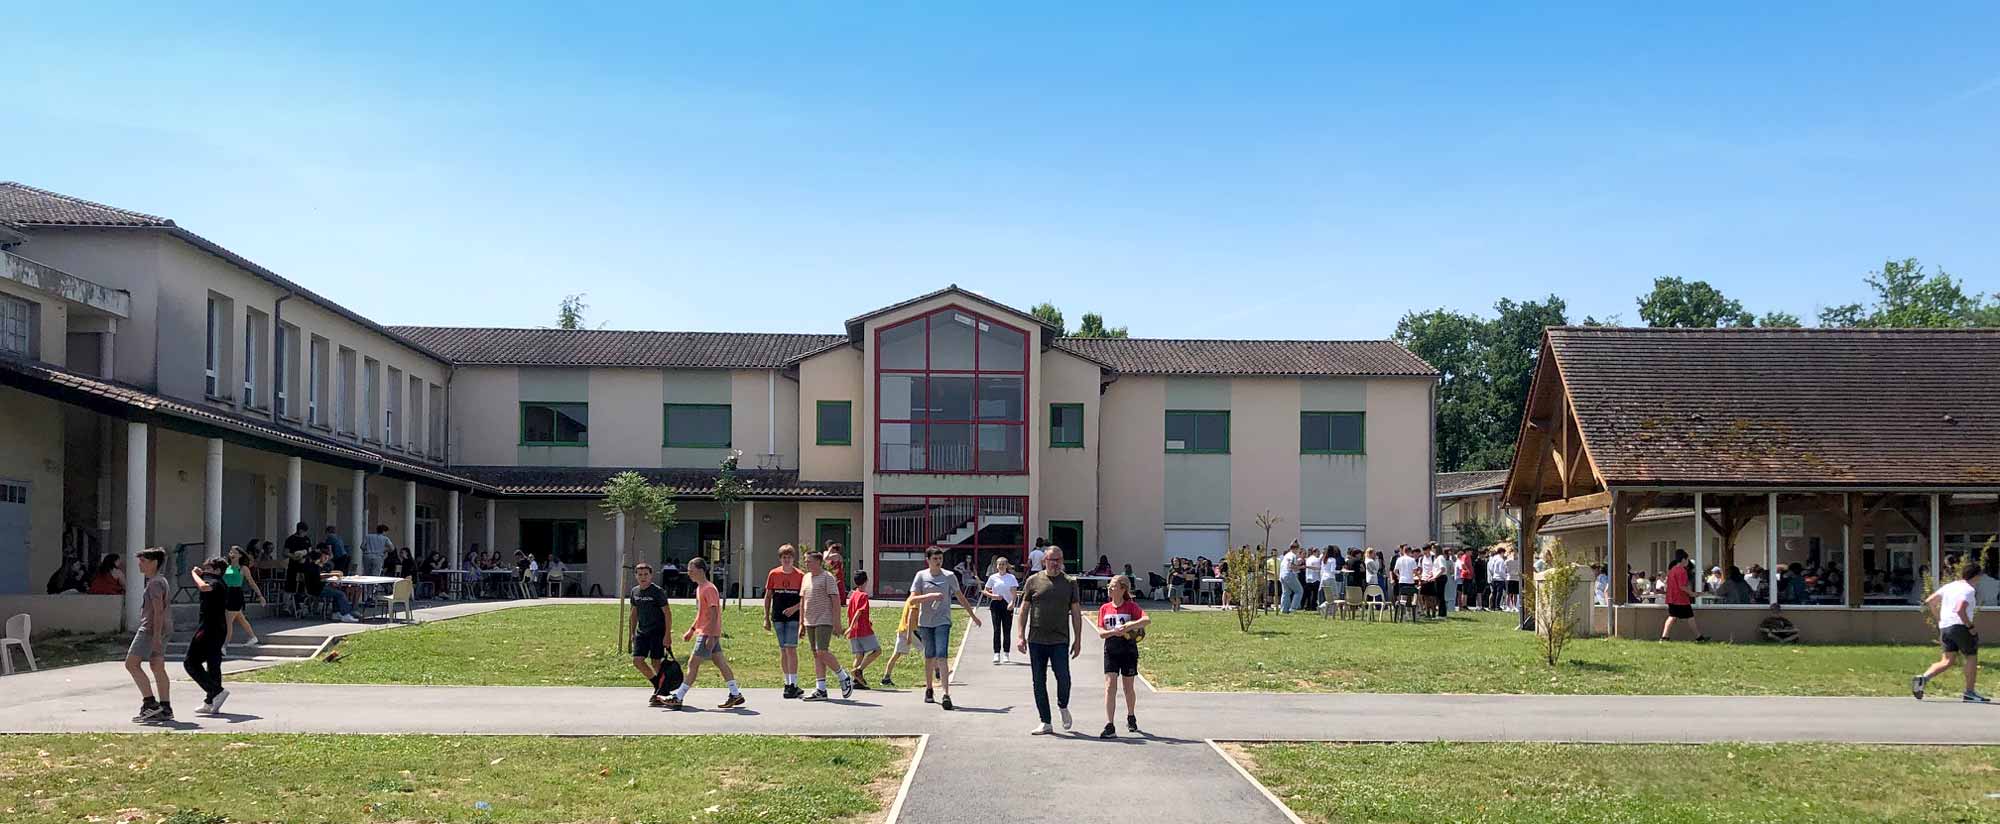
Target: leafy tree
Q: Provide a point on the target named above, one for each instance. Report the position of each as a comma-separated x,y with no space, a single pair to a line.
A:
1514,344
1908,297
730,488
1047,312
1680,304
1486,368
1093,327
1480,534
630,495
570,314
1780,320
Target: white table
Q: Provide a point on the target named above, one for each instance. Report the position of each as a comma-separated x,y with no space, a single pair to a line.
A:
365,581
1102,582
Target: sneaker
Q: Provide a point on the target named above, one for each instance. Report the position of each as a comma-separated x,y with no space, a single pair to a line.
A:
1006,658
147,712
347,619
1971,697
815,695
929,697
1067,721
250,643
735,700
656,701
887,681
215,704
1917,686
1110,731
793,691
996,659
860,682
205,709
670,702
946,703
1132,723
1042,729
847,688
165,715
1701,639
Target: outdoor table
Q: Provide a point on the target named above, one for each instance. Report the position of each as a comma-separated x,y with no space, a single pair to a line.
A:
457,577
1205,582
1101,583
366,582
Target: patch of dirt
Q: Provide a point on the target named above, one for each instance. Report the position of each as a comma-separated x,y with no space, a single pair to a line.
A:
884,788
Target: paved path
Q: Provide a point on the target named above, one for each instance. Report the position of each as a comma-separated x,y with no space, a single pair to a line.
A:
981,754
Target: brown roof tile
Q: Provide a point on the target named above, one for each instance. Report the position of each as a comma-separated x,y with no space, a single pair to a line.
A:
1165,356
599,347
1458,483
24,205
1790,407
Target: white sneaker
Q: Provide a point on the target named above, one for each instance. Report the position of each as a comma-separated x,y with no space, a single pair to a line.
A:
1042,729
205,709
347,619
1006,658
250,643
1067,723
214,705
996,658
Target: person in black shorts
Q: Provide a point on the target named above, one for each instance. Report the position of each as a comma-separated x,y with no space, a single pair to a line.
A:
1121,623
204,652
652,618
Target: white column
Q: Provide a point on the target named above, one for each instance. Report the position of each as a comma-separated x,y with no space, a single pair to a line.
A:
295,470
357,526
492,517
1700,545
135,518
750,540
107,350
409,514
1942,575
451,525
1771,544
211,520
618,571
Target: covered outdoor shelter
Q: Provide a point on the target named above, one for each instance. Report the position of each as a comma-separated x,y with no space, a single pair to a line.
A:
1863,463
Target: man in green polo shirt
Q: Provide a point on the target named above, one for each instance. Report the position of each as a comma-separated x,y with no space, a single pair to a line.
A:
1050,618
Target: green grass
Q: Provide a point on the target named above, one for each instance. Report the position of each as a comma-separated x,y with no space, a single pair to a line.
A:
567,645
399,778
1667,784
1483,653
67,649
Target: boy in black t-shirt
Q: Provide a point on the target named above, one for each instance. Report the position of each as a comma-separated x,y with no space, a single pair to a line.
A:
204,653
652,619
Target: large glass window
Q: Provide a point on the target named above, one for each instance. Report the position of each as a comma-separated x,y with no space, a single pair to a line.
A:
697,424
562,538
1197,431
555,424
1330,433
316,381
951,395
972,529
1810,562
17,327
1968,523
834,422
1895,543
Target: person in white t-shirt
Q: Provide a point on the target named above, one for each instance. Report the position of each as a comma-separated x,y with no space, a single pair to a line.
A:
1001,590
1035,555
1288,580
1406,573
1311,581
1956,604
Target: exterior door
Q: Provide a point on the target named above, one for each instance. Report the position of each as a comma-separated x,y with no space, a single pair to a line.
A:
1069,536
837,530
13,538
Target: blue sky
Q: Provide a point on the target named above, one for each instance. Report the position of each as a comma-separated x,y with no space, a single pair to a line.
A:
1292,170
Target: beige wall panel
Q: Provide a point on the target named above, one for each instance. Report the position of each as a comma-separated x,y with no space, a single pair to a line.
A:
832,376
625,415
1399,462
1133,436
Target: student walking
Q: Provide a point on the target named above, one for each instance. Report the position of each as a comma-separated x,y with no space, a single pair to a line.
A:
781,614
1680,597
1289,568
1956,605
706,634
204,653
1001,589
931,590
861,629
375,546
235,576
819,597
1121,623
906,632
149,641
652,619
1050,618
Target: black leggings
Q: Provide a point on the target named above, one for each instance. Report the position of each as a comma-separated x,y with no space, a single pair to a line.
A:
1003,626
204,661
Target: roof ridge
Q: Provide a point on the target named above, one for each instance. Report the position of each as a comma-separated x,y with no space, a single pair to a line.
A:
164,221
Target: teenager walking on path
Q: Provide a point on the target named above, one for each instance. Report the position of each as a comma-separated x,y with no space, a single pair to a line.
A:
932,591
235,576
149,641
203,661
781,614
1001,589
819,596
1121,623
1050,618
706,633
1680,597
861,638
652,619
906,632
1957,605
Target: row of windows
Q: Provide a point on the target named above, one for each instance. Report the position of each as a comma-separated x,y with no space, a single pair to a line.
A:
1191,431
690,425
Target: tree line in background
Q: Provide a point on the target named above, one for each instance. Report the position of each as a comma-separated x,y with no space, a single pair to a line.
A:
1092,325
1486,363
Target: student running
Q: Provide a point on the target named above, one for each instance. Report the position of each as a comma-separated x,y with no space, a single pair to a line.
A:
1001,590
861,631
906,631
204,653
1121,623
235,577
1050,618
652,620
819,597
706,633
149,641
931,591
781,614
1956,605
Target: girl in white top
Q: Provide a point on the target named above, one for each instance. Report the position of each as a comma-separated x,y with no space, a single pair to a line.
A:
1002,590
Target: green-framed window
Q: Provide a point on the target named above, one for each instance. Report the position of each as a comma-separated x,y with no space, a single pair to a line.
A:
699,425
1198,431
550,423
834,423
1066,425
1332,433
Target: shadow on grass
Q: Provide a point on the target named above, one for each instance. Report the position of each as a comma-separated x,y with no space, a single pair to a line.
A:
1597,666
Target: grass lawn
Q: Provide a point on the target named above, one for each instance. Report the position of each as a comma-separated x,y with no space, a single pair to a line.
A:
1483,653
566,645
67,649
1735,783
400,778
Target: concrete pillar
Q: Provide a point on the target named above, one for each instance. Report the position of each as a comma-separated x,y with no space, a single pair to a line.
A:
295,472
451,525
750,540
107,351
1700,550
211,518
409,514
492,518
357,526
135,518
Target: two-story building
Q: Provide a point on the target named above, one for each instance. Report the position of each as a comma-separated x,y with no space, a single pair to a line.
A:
946,420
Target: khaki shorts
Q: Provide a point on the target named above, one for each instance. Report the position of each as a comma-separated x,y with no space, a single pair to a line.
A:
144,646
820,638
902,643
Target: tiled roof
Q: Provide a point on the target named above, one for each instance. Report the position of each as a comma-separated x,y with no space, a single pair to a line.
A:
765,484
132,402
1165,356
1597,518
1791,407
854,323
1458,483
24,205
597,347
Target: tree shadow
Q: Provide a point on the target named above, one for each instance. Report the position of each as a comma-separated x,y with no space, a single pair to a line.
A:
1597,666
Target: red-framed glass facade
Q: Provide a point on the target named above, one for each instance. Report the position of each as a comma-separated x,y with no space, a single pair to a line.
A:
971,528
951,395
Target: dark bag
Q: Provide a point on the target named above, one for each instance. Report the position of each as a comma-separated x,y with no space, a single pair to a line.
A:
669,675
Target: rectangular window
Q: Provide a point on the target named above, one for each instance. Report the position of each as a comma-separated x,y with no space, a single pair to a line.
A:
343,392
436,405
562,538
1066,425
1197,431
555,424
414,419
212,363
392,418
286,378
951,395
316,381
972,528
17,327
697,425
1331,433
834,420
255,328
371,398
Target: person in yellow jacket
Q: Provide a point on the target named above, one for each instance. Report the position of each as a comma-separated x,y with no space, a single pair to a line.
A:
906,627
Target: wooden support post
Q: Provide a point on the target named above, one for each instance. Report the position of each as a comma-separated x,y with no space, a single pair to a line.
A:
1616,551
1850,565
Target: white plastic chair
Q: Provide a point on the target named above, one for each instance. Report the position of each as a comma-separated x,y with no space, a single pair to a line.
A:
402,592
18,629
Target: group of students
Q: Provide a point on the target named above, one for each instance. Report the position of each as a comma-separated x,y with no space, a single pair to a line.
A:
221,583
1434,579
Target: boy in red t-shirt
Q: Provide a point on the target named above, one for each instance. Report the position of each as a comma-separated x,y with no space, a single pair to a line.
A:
861,630
1121,623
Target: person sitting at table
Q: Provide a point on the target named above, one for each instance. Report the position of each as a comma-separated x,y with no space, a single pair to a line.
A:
325,585
1185,581
109,579
1734,589
557,569
1103,566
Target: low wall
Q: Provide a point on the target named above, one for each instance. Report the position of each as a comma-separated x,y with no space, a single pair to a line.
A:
74,612
1826,625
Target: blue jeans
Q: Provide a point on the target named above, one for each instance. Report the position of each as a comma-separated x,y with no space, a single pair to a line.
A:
936,641
341,606
1295,593
1044,657
788,633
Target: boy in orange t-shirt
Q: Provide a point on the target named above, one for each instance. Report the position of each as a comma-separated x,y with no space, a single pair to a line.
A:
706,633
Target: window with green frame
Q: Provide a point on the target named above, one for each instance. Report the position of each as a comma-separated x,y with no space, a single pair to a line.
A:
555,424
1332,433
1197,430
834,423
697,425
1066,424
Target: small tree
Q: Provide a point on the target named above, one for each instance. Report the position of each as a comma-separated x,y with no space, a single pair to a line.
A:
1555,617
631,495
1247,578
570,314
1476,534
730,488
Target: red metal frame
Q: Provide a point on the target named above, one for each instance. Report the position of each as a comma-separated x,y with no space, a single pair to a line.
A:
1029,344
876,579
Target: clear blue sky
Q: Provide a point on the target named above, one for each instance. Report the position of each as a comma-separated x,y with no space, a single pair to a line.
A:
1279,171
